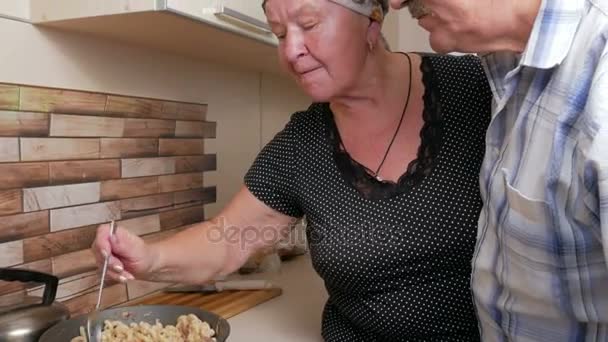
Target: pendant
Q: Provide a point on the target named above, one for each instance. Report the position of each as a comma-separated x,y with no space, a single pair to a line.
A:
379,178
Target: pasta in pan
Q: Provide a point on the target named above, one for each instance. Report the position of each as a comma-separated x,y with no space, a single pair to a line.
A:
189,328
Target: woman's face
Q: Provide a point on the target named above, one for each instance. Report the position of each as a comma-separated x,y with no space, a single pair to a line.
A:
323,45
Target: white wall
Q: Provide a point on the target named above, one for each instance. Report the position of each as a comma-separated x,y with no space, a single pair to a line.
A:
411,37
19,9
66,60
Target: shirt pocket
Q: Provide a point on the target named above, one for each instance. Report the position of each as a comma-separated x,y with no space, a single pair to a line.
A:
527,230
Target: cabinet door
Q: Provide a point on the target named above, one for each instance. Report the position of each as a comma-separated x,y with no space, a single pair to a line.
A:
248,11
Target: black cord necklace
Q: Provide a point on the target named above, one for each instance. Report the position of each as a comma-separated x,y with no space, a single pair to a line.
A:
407,101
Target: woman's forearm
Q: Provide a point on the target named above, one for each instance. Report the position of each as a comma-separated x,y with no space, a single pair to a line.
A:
196,255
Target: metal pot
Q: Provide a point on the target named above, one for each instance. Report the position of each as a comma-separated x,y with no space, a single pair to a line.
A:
27,320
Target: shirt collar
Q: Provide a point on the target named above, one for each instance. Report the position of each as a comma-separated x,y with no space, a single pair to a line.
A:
552,33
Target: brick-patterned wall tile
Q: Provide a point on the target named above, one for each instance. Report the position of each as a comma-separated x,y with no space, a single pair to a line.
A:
70,264
54,244
181,147
196,196
147,167
11,253
85,215
141,206
184,111
140,288
142,225
149,128
189,129
9,149
134,107
112,295
128,148
35,149
9,97
181,217
50,197
55,138
62,101
24,225
127,188
83,171
24,175
180,182
85,126
10,202
13,124
207,162
71,287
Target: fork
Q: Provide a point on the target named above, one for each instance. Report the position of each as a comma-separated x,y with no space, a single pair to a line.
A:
92,317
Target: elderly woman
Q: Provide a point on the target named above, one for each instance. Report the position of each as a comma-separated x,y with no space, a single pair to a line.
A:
385,166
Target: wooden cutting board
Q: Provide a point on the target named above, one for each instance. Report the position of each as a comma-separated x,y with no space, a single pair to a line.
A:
226,303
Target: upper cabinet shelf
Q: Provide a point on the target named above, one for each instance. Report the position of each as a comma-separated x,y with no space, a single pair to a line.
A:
231,32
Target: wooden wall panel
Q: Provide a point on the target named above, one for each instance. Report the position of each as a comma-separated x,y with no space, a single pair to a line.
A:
180,147
130,187
196,196
196,163
11,202
85,126
85,215
140,288
189,129
147,128
9,150
21,226
12,253
70,264
71,160
142,225
24,175
35,199
133,107
112,295
180,182
36,149
181,217
72,287
184,111
60,101
83,171
50,245
9,97
129,148
24,124
147,167
141,206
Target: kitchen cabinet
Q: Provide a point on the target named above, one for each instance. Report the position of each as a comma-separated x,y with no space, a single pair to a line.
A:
245,17
214,30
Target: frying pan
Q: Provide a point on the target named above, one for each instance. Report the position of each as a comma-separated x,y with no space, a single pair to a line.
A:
166,314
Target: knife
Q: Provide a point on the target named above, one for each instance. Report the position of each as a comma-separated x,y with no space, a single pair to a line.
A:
225,285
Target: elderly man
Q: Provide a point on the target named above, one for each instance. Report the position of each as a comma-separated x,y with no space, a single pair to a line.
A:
539,270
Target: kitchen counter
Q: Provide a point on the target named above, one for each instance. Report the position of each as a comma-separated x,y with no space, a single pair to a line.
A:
294,316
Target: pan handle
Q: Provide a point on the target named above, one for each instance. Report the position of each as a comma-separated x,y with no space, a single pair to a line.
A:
50,281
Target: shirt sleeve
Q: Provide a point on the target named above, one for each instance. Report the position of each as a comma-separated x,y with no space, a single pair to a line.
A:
272,177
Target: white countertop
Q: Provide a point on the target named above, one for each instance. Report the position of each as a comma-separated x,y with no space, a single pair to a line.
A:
294,316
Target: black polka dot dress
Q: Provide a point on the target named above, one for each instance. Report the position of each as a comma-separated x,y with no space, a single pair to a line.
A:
395,257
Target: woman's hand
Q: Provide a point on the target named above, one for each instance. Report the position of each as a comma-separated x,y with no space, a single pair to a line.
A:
130,256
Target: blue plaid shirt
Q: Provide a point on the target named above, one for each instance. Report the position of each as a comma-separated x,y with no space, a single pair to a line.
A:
540,269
